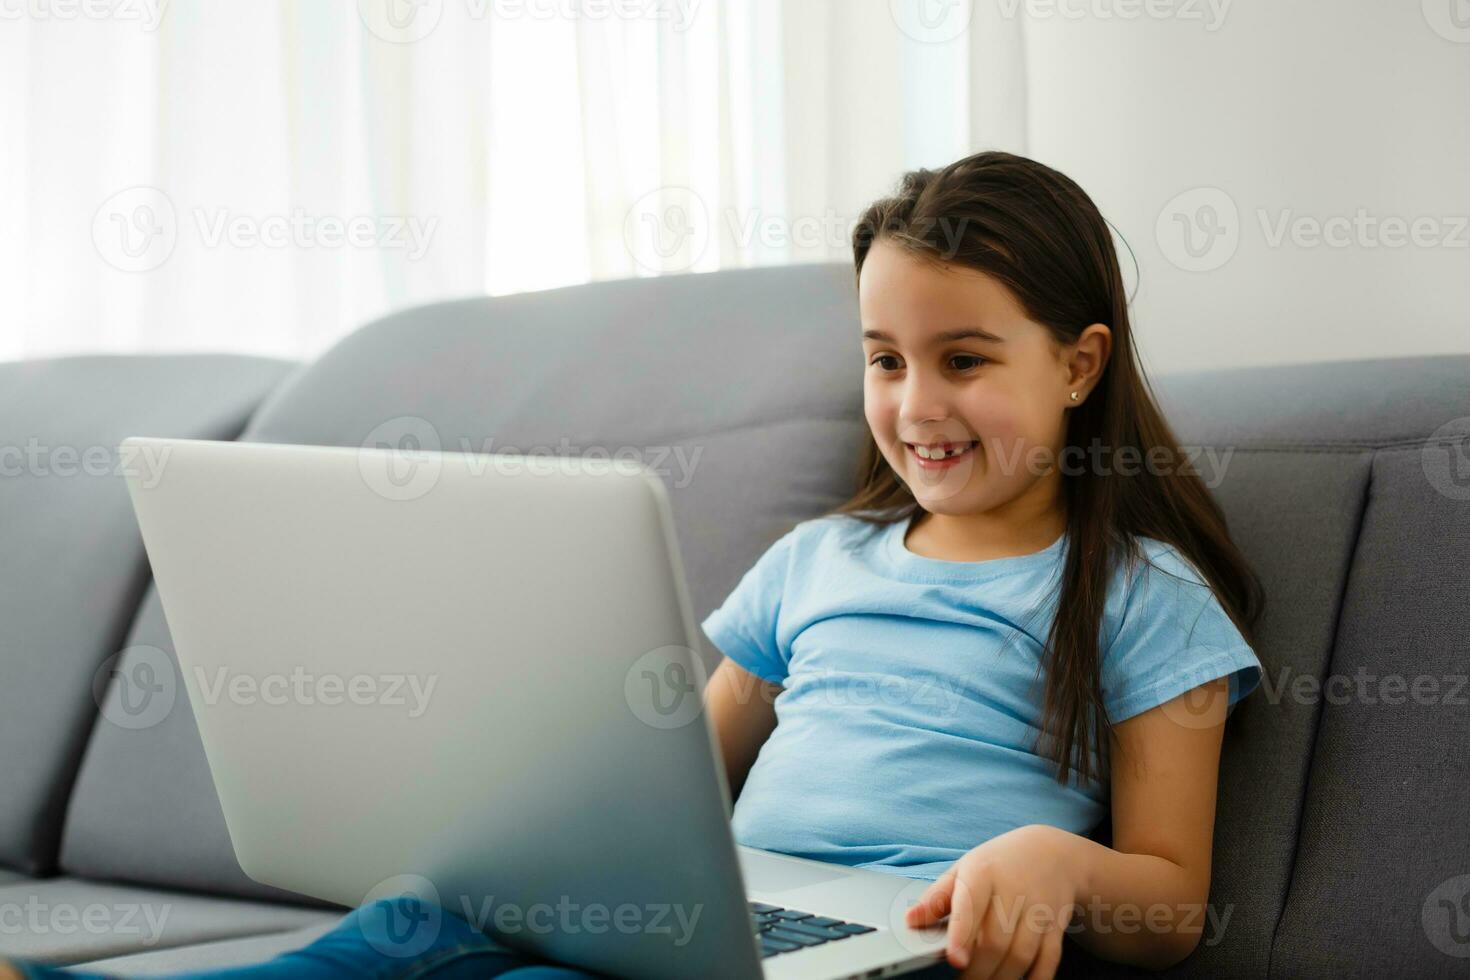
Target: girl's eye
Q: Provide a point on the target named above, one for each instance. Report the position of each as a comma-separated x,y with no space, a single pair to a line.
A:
974,360
881,358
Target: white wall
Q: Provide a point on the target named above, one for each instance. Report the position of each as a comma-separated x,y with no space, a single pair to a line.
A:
1303,109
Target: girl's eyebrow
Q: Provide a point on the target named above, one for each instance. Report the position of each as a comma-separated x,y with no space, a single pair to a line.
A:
944,337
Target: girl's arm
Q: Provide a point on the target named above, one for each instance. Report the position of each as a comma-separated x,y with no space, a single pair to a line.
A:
1165,769
742,707
1141,901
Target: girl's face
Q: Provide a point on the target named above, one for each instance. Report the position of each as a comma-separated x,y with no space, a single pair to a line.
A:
954,366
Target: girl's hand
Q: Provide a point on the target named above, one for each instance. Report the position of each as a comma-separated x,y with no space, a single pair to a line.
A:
1008,901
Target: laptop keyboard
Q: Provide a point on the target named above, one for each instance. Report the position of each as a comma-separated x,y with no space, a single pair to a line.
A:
785,930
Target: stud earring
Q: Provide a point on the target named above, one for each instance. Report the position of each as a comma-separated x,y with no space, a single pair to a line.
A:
1075,396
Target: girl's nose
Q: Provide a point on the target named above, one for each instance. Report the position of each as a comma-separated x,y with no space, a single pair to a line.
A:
924,402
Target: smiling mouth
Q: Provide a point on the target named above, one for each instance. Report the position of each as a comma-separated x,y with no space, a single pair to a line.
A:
936,455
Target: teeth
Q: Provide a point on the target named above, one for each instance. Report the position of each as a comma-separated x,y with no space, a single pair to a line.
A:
925,452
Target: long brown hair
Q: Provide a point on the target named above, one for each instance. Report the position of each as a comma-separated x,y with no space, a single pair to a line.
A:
1039,234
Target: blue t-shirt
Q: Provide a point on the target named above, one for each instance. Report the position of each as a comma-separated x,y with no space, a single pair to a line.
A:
907,728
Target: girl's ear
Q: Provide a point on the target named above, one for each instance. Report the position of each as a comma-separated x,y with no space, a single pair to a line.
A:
1086,358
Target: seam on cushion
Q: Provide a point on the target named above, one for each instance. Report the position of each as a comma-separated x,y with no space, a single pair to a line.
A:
770,424
1352,561
1331,445
692,438
1335,447
129,614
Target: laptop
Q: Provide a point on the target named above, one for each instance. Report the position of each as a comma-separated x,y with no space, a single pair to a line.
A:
474,678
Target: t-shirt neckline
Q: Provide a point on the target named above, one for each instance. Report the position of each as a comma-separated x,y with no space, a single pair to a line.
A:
910,565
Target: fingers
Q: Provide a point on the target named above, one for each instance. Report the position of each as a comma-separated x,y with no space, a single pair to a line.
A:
981,941
1048,958
968,902
989,946
1027,946
1022,952
933,905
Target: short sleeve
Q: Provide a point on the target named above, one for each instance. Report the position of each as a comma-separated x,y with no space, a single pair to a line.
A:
1174,635
744,626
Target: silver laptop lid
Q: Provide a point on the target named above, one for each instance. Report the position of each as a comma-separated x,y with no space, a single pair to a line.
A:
470,675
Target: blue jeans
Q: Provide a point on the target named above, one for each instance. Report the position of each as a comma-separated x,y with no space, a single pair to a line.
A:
396,939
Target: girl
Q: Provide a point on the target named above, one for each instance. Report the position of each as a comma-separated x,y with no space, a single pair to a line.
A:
1029,617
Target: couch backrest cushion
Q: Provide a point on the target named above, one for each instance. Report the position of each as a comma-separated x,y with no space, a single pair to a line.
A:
1335,820
74,566
1381,881
742,388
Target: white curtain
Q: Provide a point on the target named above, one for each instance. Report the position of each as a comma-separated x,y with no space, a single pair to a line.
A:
265,177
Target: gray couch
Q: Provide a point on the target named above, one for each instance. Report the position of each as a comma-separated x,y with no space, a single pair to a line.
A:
1342,845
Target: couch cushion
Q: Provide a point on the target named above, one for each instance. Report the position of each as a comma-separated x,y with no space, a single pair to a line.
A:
207,956
1311,849
70,920
1382,879
77,567
692,373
